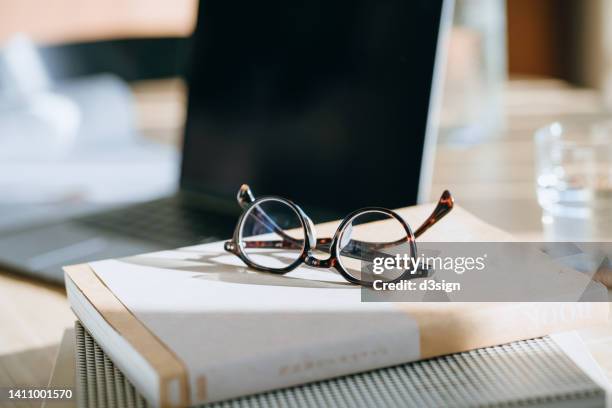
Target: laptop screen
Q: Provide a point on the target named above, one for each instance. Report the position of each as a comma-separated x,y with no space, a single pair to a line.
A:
322,102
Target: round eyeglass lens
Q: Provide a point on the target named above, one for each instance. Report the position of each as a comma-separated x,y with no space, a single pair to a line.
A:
272,234
374,245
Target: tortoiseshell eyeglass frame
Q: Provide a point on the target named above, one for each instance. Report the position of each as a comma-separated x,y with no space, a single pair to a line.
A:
330,245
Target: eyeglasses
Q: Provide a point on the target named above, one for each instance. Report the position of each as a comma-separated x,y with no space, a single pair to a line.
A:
274,235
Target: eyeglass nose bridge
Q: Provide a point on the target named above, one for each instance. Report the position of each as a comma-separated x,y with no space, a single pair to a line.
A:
330,262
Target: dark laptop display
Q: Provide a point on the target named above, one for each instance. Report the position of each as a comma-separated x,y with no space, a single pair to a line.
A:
323,102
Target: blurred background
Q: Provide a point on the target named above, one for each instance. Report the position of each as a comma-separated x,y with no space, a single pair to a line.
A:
92,100
81,126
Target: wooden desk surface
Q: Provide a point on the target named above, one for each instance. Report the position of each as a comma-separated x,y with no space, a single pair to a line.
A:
493,179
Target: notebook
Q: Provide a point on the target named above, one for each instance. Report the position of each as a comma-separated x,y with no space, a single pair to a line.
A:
527,373
194,325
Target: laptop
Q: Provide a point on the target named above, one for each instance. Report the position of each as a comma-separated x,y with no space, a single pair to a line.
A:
330,104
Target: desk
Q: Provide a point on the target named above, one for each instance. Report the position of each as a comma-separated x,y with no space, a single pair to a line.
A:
493,179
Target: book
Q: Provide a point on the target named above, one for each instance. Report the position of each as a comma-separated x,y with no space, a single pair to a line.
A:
194,325
554,370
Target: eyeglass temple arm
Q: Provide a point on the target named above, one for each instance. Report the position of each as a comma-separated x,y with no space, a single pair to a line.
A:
354,249
363,251
323,244
245,196
444,206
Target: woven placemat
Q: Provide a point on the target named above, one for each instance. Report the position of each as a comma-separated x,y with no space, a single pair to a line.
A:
534,373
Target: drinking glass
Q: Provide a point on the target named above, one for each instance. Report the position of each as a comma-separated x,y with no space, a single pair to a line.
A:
574,180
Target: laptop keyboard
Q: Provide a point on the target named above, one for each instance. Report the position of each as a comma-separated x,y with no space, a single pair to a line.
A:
169,221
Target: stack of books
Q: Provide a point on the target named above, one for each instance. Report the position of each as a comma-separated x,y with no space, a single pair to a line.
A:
194,326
